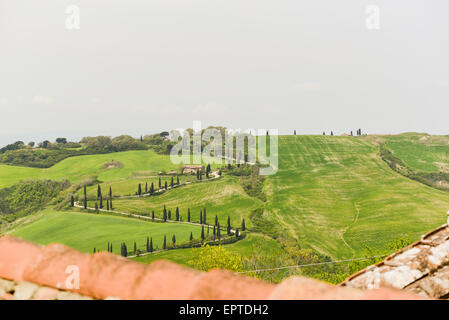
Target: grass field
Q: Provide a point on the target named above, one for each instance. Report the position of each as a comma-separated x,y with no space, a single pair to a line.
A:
251,245
85,231
335,194
223,197
77,168
129,187
421,152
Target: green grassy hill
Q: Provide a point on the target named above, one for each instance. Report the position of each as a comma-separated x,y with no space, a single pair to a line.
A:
85,231
223,197
335,194
77,168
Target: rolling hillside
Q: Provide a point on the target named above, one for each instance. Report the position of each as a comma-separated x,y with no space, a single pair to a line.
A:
335,194
77,168
85,232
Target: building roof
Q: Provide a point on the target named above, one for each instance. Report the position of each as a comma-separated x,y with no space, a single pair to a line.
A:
421,268
29,271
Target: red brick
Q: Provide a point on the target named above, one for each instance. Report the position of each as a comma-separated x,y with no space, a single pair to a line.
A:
166,280
15,255
222,285
299,288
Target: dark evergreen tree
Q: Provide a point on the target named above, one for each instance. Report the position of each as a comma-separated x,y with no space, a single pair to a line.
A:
177,180
151,245
202,233
72,201
332,133
110,193
166,186
201,217
188,215
95,250
107,205
177,214
294,132
101,201
139,189
229,226
110,204
111,248
146,187
243,224
98,192
172,183
148,244
96,207
204,216
165,213
191,236
218,232
173,239
169,214
214,232
159,183
152,188
85,197
216,220
165,243
152,215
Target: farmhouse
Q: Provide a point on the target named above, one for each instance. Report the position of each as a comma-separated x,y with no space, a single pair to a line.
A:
192,169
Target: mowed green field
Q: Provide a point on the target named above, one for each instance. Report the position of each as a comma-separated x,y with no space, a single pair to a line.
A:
84,232
253,244
129,187
421,152
223,197
335,194
77,168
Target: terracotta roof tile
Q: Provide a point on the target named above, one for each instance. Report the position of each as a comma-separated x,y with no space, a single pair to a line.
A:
220,284
36,272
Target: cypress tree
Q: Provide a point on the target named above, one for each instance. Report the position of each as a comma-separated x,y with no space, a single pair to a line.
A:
188,215
294,132
165,243
204,216
139,189
216,220
243,224
173,239
166,186
152,188
95,250
159,183
110,193
125,249
172,182
72,201
148,244
201,217
152,215
146,187
177,214
101,201
151,245
111,248
229,226
135,248
96,207
107,205
165,213
202,233
110,204
169,214
214,232
191,236
177,180
108,246
218,232
98,192
85,197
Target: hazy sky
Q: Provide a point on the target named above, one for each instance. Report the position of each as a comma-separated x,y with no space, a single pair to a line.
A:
140,67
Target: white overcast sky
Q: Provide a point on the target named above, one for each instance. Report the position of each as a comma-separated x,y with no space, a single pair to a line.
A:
139,67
